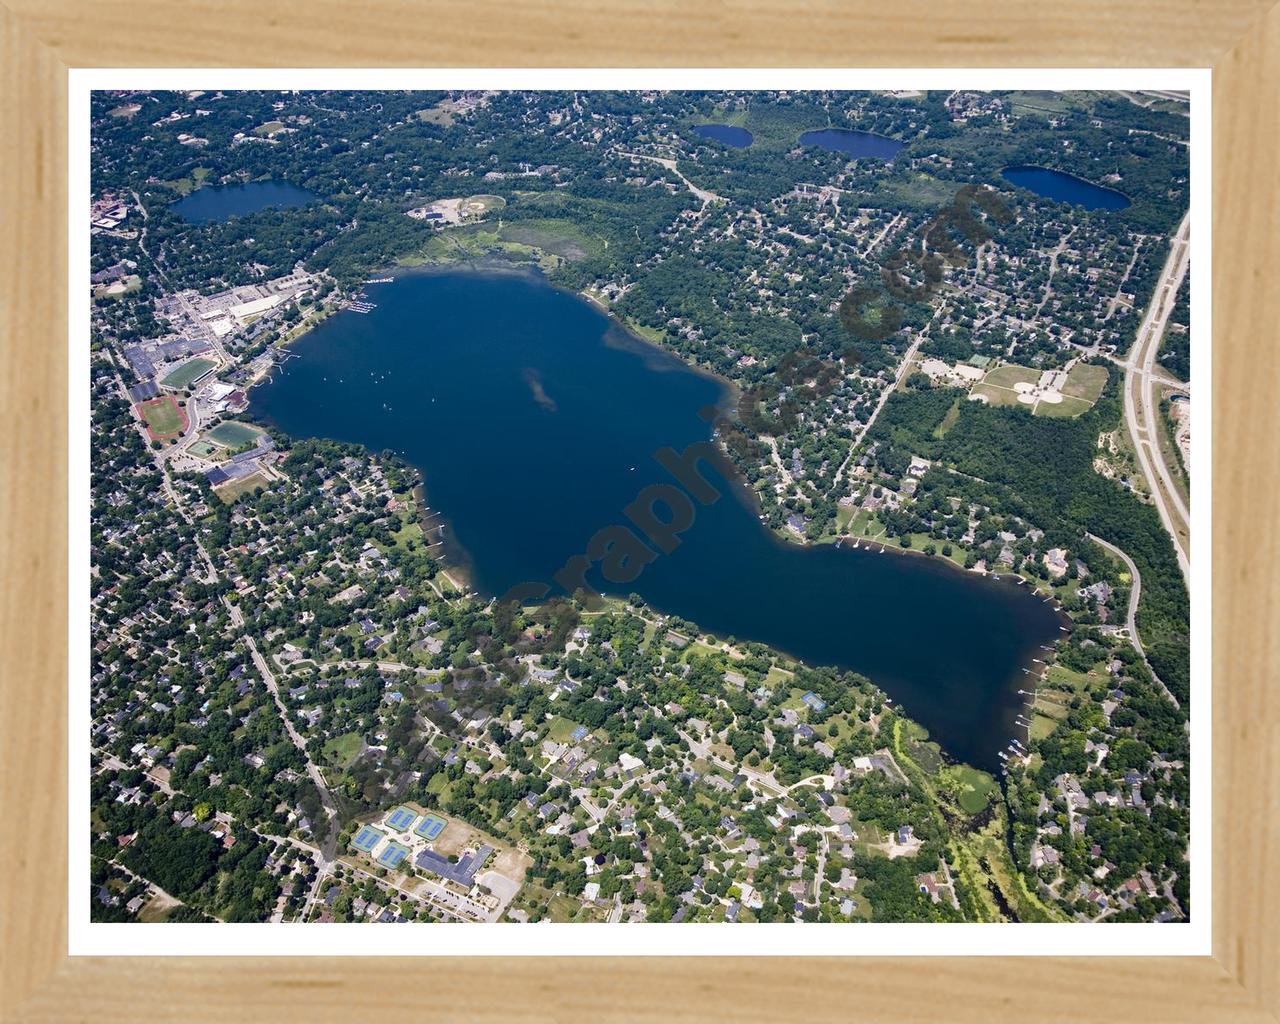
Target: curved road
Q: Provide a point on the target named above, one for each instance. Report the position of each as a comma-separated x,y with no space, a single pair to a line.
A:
1135,592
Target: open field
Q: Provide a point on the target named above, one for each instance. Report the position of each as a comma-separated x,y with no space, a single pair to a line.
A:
229,492
163,417
188,373
483,203
973,789
1000,387
561,730
233,434
994,395
124,110
270,128
185,186
1085,381
559,237
441,114
1050,709
1066,409
127,285
948,421
1009,375
342,749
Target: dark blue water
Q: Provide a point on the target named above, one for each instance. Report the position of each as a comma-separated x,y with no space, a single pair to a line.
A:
856,144
220,202
730,135
535,421
1065,188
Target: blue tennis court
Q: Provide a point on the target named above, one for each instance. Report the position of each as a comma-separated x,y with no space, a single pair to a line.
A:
579,733
366,839
400,819
393,855
430,826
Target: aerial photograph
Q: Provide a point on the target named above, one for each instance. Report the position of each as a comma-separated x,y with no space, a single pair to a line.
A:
638,506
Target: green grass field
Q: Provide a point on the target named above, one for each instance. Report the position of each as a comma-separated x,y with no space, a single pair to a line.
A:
948,421
998,385
229,492
270,128
554,235
973,789
233,434
203,449
995,396
483,203
1066,409
1085,381
341,750
561,729
163,417
185,186
187,373
1009,375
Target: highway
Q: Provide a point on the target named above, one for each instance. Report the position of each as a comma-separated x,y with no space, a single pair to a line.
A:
1141,401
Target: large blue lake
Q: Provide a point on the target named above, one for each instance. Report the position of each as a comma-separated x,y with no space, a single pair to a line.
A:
1065,188
730,135
218,202
853,143
535,421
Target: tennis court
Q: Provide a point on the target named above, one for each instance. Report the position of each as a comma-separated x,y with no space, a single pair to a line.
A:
366,839
430,827
393,855
400,819
203,449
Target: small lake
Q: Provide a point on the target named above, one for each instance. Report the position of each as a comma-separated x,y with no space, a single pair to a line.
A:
219,202
730,135
1065,188
854,143
535,420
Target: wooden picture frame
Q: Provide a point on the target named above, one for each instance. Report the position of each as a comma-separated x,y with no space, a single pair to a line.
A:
42,39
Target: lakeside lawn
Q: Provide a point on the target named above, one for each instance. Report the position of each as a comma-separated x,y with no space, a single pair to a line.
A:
233,434
972,789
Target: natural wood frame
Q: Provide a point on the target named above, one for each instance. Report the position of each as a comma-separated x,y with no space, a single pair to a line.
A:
41,39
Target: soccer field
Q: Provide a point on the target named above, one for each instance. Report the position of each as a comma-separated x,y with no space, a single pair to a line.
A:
187,373
163,417
232,434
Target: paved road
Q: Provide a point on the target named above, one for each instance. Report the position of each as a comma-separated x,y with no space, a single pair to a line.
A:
703,195
326,798
766,782
1142,410
1131,623
904,369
